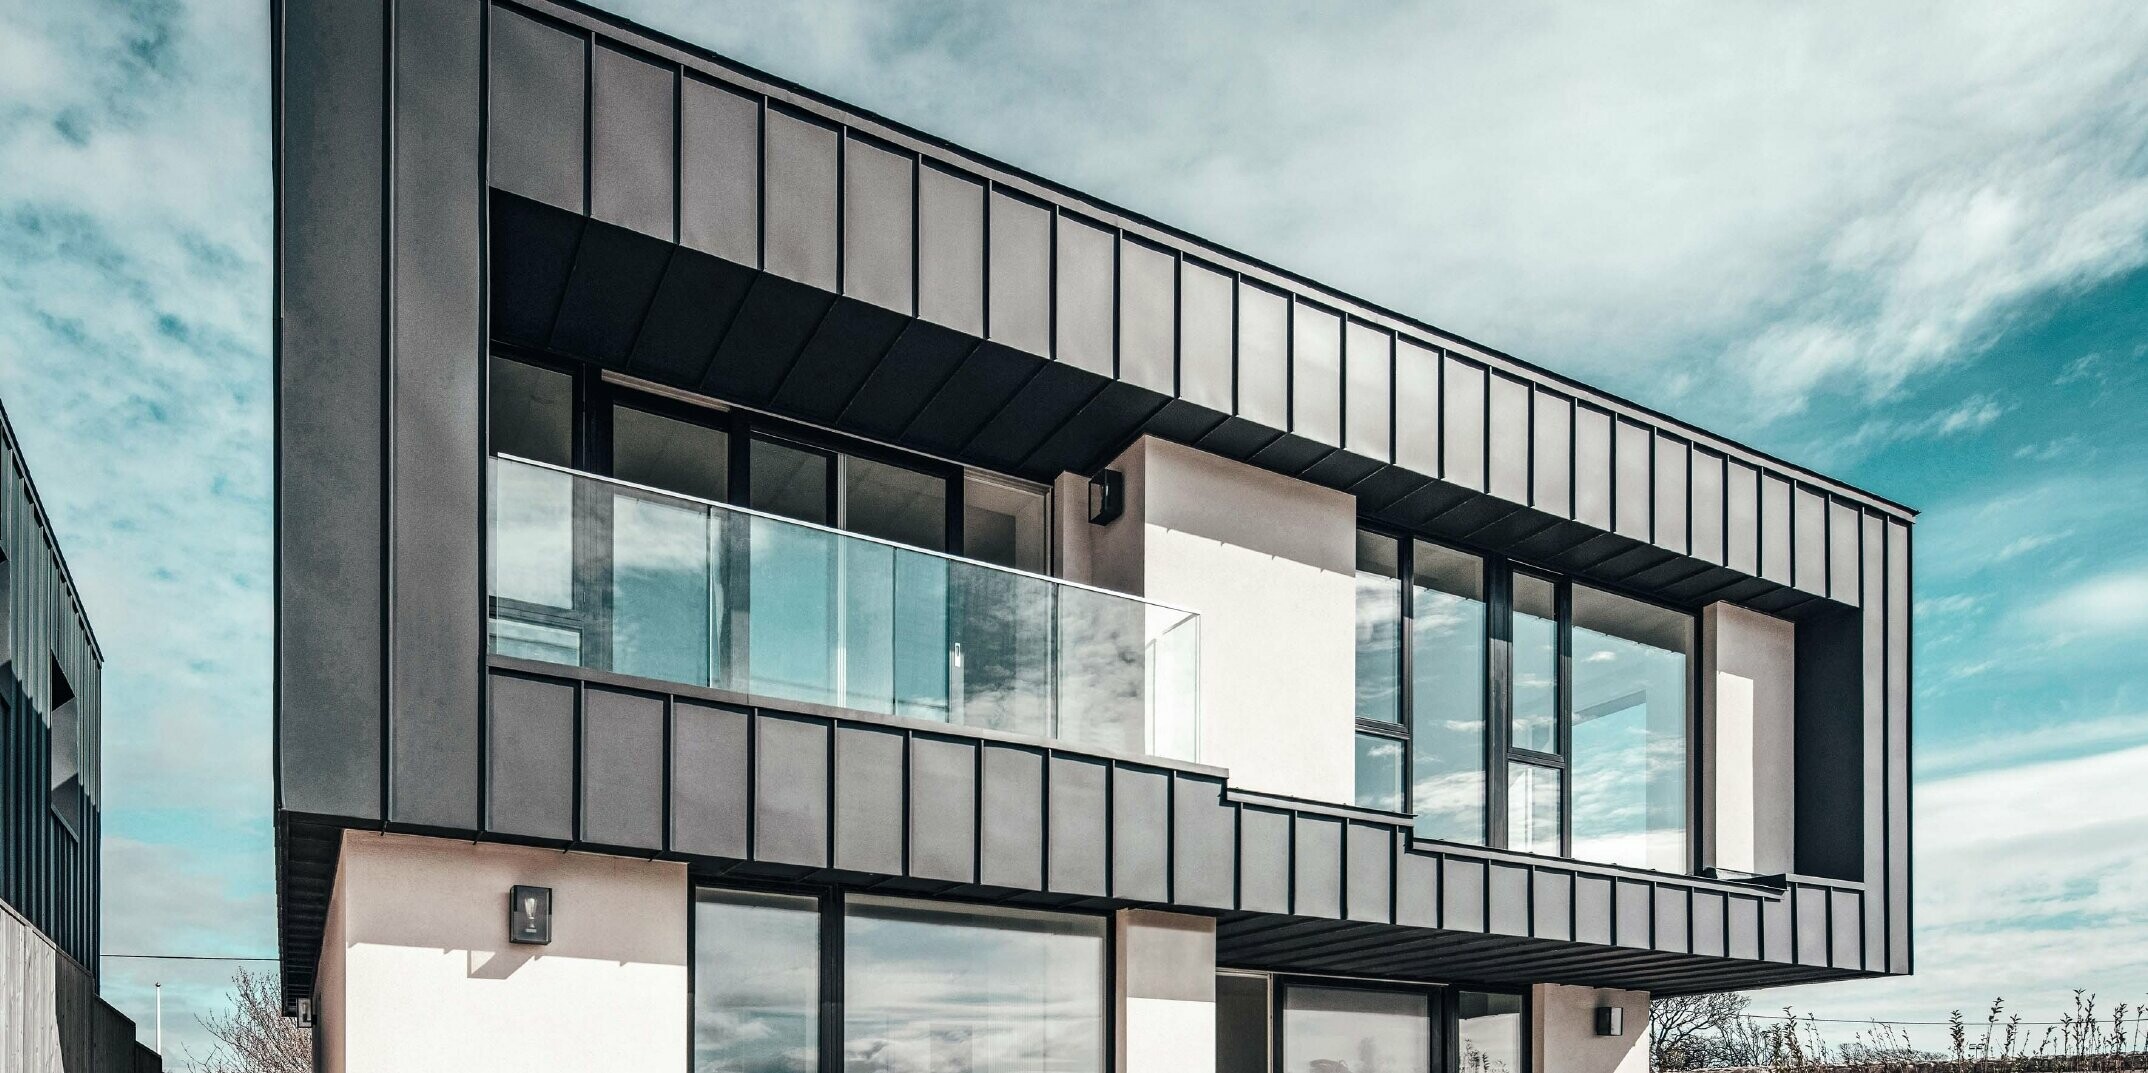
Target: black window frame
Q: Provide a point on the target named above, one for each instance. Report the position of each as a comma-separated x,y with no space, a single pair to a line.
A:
1500,752
1443,1011
830,904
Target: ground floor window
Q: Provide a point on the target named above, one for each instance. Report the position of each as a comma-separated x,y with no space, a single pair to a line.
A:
909,986
1284,1025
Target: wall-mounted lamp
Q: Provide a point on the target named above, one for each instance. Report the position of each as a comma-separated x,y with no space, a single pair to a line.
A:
305,1013
1107,497
529,915
1610,1020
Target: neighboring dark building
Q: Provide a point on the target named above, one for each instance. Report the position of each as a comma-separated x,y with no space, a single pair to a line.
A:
953,623
51,705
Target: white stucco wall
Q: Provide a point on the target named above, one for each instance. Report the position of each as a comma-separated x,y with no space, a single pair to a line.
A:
1562,1031
1749,721
428,980
1166,992
1270,564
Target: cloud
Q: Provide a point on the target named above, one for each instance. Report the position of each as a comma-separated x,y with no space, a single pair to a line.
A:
1719,206
134,361
2013,867
2032,542
2110,603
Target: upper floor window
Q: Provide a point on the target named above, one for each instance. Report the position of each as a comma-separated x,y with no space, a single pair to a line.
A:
664,538
1529,712
65,723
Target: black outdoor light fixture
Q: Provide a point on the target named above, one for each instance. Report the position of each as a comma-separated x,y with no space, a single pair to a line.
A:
529,915
1610,1020
1107,497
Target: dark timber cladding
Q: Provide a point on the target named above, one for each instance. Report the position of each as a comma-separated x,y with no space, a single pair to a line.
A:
456,172
50,871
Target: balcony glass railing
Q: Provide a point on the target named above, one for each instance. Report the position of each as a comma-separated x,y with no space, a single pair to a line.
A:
592,572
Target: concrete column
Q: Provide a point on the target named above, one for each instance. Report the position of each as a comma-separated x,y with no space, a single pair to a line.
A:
1166,992
417,973
1562,1031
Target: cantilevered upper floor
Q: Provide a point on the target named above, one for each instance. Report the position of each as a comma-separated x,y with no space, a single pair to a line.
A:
673,461
51,719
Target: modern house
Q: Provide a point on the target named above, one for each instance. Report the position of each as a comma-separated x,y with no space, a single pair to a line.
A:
51,733
763,589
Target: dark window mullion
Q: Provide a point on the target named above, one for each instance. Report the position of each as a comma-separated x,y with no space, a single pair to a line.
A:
1498,695
1564,706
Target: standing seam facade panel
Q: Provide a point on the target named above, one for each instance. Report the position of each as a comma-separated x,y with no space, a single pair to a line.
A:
359,565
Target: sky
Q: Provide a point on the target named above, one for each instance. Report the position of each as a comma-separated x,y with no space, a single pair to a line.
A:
1905,244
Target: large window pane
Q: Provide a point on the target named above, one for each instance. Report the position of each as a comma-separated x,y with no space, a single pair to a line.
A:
665,452
935,988
756,983
532,412
1532,808
1536,664
1489,1031
1243,1033
1447,693
894,503
1379,772
789,481
1005,524
1379,628
1629,758
1337,1030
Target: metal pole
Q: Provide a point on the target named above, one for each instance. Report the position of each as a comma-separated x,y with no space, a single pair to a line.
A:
160,1018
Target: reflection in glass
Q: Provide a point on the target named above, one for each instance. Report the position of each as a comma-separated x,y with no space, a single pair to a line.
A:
1447,693
1004,524
1242,1023
1629,733
1532,808
1336,1030
756,983
1536,664
588,572
661,589
937,988
1379,628
1489,1032
1102,670
1379,772
665,452
532,412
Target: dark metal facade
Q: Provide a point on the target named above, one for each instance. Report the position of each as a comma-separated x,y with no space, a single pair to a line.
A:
48,872
457,172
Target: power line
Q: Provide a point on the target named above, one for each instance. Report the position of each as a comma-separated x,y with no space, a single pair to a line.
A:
182,957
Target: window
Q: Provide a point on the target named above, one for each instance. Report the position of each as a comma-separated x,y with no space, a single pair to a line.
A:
1347,1030
756,982
532,412
1580,750
936,986
1488,1033
1244,1032
64,720
1629,738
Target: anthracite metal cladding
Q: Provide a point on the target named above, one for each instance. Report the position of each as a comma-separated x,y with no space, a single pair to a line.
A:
50,873
455,172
